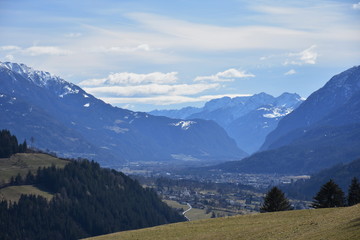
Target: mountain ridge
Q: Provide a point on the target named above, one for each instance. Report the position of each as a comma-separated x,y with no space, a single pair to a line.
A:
246,119
335,93
65,119
314,139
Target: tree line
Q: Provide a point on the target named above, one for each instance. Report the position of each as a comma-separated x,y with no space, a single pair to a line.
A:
87,201
330,195
9,144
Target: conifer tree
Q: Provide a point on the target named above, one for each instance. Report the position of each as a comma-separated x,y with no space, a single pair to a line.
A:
274,201
354,192
330,195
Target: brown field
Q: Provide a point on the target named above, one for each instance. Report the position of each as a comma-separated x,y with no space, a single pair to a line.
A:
23,162
315,224
13,193
193,214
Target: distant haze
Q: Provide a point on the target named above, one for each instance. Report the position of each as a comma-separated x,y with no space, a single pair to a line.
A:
146,55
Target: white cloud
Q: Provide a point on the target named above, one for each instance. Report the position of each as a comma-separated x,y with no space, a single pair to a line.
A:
290,72
166,100
174,33
9,48
356,6
126,78
308,56
138,48
225,76
45,50
36,50
151,89
73,35
9,58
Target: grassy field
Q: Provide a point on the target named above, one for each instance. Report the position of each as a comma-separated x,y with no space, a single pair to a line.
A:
23,162
332,223
193,214
13,193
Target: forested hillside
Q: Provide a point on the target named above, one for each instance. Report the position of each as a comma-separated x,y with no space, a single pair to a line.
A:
88,201
341,174
9,144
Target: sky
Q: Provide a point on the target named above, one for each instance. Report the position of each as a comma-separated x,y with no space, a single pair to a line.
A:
146,55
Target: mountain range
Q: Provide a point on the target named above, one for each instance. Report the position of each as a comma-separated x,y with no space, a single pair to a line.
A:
247,119
323,131
341,174
58,116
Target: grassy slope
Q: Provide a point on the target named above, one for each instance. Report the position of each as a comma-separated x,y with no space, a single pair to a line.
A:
334,223
193,214
23,162
13,193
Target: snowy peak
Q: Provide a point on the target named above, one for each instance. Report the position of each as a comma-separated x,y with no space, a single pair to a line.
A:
262,98
288,99
336,94
65,119
345,83
215,104
40,78
246,119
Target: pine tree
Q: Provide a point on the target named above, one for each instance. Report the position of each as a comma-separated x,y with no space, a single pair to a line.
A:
274,201
354,192
330,195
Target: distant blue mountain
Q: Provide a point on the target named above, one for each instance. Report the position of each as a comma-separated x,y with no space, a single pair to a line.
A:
333,104
323,131
64,119
248,119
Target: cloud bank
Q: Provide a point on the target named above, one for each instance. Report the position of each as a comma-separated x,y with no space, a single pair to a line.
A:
126,78
225,76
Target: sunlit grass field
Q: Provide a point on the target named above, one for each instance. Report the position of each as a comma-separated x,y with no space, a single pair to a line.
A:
23,162
315,224
13,193
193,214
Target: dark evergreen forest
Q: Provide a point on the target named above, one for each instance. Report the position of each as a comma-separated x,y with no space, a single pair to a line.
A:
88,201
9,144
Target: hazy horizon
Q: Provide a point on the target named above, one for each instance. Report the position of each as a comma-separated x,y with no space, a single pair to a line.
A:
146,55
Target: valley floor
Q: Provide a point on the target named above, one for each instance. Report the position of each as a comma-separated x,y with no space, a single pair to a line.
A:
331,223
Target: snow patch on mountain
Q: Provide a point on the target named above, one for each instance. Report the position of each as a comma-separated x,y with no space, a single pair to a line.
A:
185,125
276,112
116,129
42,78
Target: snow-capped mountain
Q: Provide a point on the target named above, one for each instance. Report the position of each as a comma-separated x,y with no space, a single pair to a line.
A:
63,118
246,119
322,132
318,107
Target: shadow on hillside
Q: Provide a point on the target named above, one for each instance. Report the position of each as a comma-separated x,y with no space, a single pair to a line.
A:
355,223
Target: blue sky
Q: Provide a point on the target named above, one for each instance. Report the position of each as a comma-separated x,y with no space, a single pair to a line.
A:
145,55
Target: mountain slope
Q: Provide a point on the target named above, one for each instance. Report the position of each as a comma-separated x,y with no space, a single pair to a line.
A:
342,174
320,142
88,201
318,106
248,120
318,149
330,223
63,118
